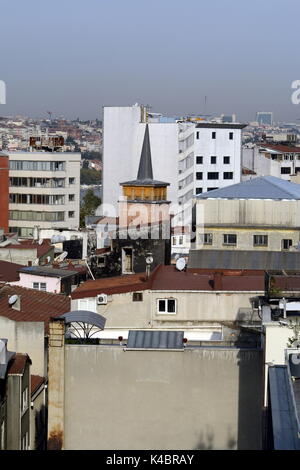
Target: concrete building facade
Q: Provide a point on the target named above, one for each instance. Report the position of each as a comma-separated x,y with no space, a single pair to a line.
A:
44,191
259,214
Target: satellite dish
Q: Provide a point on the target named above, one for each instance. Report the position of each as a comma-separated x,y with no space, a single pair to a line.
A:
36,262
62,256
41,241
149,260
48,259
12,300
180,264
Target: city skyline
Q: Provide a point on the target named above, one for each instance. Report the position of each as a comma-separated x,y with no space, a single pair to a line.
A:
75,58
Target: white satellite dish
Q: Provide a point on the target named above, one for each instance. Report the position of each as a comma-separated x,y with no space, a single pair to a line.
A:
41,241
12,300
36,262
62,256
48,259
180,264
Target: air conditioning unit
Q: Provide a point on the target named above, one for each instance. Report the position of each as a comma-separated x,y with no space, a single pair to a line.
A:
102,299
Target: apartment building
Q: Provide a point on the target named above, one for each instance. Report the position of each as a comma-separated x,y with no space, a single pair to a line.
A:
209,157
278,160
44,191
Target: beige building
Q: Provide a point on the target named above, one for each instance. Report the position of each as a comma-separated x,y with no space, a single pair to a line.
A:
44,191
195,300
259,214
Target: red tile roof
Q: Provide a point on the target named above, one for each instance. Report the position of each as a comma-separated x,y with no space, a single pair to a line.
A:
42,249
36,306
281,148
169,278
9,271
36,382
18,363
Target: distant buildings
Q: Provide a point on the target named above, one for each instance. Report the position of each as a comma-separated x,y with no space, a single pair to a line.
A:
265,118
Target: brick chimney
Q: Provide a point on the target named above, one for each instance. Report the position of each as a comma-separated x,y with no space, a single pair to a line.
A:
218,281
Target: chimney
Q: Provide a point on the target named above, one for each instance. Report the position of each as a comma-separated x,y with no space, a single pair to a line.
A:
218,281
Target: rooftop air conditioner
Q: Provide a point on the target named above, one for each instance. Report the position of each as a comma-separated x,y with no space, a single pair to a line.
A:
102,299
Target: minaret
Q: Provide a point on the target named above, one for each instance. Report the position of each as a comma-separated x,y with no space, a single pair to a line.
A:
145,190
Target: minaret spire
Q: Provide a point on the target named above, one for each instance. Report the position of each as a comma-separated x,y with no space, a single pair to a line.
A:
145,171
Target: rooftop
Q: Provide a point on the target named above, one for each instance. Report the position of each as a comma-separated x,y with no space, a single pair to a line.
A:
168,278
280,148
265,187
9,271
18,363
35,305
47,271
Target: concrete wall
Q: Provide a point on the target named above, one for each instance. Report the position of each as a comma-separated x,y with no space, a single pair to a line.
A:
193,308
22,256
196,399
26,338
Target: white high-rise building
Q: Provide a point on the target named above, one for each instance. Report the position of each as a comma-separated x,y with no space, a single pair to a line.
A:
193,155
44,191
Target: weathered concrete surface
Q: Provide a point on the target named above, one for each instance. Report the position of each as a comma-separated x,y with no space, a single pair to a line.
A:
196,399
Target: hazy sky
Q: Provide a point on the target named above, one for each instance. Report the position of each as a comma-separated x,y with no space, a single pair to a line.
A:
74,56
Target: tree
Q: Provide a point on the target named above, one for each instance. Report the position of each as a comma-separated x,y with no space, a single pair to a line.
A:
90,176
89,205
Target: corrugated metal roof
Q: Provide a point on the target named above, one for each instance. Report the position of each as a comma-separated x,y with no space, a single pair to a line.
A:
265,187
84,316
47,271
235,259
284,422
138,339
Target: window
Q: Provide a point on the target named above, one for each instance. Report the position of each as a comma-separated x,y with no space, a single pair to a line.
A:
71,180
180,240
230,135
167,306
228,175
260,240
213,160
39,286
226,160
71,197
212,175
206,238
229,239
211,189
137,296
198,190
199,160
24,400
37,216
285,170
297,169
173,240
199,175
71,214
88,304
286,244
213,135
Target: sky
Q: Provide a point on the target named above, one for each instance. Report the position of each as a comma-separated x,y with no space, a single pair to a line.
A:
72,57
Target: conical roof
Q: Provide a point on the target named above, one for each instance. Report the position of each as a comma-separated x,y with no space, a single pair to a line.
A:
145,171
